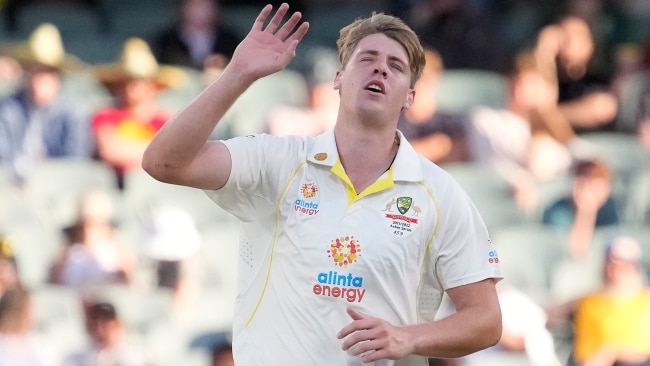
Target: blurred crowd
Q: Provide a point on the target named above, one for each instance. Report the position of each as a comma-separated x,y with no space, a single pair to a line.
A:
540,109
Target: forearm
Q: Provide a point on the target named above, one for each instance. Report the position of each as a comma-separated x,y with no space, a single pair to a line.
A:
581,231
459,334
179,141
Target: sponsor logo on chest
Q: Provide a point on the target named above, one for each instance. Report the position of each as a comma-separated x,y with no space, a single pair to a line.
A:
343,251
307,201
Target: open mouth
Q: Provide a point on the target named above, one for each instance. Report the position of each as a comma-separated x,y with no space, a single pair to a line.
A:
375,87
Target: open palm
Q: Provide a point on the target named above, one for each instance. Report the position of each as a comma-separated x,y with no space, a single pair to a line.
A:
269,49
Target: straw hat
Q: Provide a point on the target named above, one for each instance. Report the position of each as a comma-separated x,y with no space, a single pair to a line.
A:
44,47
138,62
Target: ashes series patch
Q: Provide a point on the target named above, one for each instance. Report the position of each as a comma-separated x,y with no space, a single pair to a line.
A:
401,216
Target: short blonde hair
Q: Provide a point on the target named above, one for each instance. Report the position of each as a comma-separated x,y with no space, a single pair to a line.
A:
390,26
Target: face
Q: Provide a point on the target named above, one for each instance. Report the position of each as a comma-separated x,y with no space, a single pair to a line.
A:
42,85
104,332
135,91
199,13
578,45
375,81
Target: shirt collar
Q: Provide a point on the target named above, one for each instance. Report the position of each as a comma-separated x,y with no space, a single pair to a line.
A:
406,166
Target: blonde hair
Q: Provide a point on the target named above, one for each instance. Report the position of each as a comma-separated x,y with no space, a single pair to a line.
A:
390,26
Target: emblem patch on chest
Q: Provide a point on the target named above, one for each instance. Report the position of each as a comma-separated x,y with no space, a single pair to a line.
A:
401,215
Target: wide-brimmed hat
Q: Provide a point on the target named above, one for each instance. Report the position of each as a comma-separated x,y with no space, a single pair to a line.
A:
624,248
43,47
138,62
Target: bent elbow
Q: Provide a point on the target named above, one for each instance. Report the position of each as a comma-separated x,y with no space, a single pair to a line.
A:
156,168
494,329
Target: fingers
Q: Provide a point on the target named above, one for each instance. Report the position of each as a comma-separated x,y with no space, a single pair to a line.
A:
289,25
276,27
277,18
299,33
261,17
354,326
354,314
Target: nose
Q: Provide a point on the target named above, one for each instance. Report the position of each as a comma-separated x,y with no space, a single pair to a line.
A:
383,72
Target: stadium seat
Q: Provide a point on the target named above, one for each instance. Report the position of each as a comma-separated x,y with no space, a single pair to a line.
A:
55,187
490,192
637,211
463,89
528,254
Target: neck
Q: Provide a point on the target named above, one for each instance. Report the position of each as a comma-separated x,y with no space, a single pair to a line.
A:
365,155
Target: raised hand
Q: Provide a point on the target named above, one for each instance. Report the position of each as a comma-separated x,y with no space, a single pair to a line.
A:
269,49
374,338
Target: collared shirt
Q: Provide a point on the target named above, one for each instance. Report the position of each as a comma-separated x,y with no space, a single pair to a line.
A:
311,246
29,135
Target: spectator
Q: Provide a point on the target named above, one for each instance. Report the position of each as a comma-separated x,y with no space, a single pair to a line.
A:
213,65
19,344
8,272
38,122
93,254
524,148
589,205
10,75
172,239
108,346
643,118
564,50
221,355
322,107
124,130
436,135
525,331
466,39
197,33
524,327
611,325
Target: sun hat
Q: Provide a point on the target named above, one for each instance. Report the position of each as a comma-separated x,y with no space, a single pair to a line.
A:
624,248
138,62
44,47
171,234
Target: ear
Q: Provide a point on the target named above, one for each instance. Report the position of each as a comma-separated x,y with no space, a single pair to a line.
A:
337,79
410,97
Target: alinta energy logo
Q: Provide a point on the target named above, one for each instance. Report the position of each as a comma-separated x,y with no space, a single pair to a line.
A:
305,205
344,251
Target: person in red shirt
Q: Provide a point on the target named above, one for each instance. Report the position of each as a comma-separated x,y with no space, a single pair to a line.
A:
124,129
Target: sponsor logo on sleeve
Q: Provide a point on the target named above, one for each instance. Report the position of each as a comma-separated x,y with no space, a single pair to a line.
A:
493,256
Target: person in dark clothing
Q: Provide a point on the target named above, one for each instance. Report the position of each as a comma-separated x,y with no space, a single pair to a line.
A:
196,34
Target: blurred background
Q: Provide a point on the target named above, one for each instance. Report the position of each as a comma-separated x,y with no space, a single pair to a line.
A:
540,109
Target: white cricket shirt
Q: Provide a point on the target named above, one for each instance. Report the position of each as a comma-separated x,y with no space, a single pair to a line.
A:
311,247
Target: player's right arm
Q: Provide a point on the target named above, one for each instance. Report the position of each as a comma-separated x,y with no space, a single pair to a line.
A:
180,153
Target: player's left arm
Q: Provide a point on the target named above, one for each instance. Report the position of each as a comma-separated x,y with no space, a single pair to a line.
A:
475,325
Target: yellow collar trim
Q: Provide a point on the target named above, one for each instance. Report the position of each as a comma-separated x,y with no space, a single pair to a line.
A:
384,182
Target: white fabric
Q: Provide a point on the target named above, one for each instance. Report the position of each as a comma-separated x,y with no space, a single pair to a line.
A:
26,350
525,318
294,210
84,266
122,355
503,139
